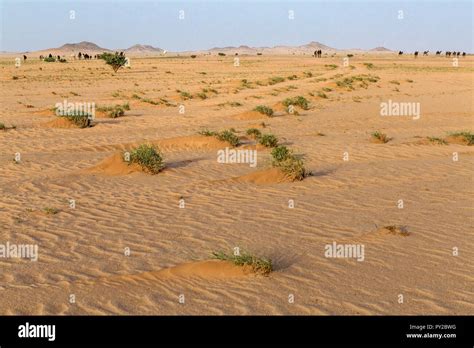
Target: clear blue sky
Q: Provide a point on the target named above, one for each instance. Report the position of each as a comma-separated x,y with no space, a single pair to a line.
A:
435,24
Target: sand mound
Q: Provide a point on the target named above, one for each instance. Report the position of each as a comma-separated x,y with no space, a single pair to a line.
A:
264,177
209,269
115,165
456,140
250,115
45,112
206,269
194,142
279,107
60,122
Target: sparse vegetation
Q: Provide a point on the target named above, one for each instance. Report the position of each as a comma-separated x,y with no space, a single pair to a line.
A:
51,211
398,230
114,111
184,95
437,140
257,264
49,59
232,104
275,80
221,54
300,101
148,157
264,110
369,65
226,135
349,82
330,66
5,128
286,161
394,82
229,136
268,140
322,95
380,137
254,133
116,61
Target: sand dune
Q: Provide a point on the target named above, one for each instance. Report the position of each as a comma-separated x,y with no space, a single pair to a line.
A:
129,248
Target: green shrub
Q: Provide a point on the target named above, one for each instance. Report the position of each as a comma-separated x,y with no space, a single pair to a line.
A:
275,80
207,133
264,110
379,136
229,137
49,59
281,153
258,265
300,101
288,163
268,140
254,133
148,157
221,54
116,61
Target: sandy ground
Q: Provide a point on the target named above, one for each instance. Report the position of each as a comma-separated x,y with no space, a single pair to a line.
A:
81,250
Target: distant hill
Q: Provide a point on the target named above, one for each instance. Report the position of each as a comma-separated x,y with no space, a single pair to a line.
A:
83,46
380,49
282,49
144,49
91,48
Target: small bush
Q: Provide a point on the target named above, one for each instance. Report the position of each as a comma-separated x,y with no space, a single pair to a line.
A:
268,140
116,61
264,110
259,265
185,95
229,137
15,77
221,54
254,133
207,133
51,211
322,95
275,80
369,65
193,56
148,157
300,101
288,163
49,59
437,140
202,95
280,153
380,137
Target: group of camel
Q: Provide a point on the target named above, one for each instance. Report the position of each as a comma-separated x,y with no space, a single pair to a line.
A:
80,56
438,53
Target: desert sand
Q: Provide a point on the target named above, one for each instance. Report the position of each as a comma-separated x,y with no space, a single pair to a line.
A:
118,207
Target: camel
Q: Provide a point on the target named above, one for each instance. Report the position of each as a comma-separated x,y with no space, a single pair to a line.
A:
425,53
416,54
24,57
400,53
